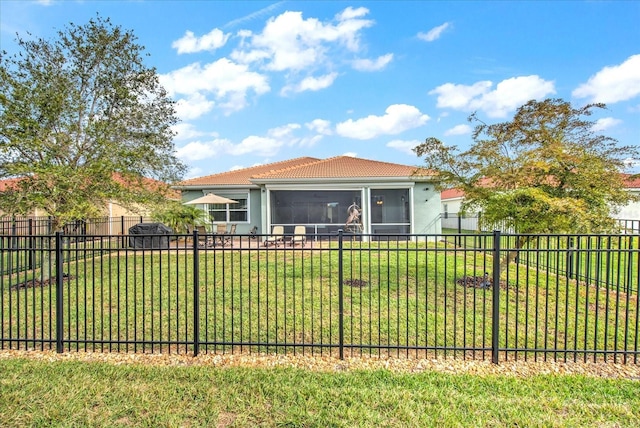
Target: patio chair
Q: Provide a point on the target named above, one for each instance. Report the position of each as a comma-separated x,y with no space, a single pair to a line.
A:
228,238
221,237
299,236
203,239
276,237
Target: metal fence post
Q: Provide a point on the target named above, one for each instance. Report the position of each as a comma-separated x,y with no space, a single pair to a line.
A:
59,295
340,292
495,315
124,244
630,267
31,243
196,295
570,252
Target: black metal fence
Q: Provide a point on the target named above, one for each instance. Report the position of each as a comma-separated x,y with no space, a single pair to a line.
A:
472,223
89,228
559,297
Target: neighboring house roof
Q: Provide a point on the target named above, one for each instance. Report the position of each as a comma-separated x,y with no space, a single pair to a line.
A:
150,183
8,183
337,168
630,182
451,194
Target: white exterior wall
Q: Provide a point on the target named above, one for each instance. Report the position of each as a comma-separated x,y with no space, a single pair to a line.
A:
426,209
630,211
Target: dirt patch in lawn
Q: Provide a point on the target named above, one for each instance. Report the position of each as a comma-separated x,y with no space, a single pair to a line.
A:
484,282
35,282
355,283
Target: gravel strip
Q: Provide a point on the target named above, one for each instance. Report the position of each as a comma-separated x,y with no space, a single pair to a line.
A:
331,364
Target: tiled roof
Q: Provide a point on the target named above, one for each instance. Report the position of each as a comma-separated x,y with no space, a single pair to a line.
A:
632,182
8,183
451,194
151,184
340,167
343,167
242,176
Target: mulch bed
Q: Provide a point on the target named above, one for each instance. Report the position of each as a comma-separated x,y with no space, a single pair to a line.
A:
484,282
355,283
33,283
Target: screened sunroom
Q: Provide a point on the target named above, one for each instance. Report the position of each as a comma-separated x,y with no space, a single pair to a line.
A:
326,211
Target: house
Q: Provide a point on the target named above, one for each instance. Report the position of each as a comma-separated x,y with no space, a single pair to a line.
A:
111,210
631,211
318,193
451,200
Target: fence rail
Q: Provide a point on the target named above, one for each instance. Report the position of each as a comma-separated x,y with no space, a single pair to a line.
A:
560,298
89,228
472,223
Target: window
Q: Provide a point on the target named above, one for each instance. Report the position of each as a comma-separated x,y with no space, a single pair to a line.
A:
389,206
230,213
312,206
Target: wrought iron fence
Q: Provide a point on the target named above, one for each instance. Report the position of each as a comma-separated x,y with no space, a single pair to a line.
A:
342,295
26,236
472,223
85,229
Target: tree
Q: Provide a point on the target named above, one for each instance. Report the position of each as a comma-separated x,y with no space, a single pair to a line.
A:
545,171
83,121
179,217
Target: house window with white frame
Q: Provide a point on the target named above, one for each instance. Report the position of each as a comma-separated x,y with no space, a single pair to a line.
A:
230,213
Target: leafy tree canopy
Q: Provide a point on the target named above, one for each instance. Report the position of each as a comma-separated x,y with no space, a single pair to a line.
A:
83,121
545,171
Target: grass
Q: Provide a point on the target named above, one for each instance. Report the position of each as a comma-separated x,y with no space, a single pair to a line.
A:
75,393
253,300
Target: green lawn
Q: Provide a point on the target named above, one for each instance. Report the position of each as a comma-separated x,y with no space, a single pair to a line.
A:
39,393
255,300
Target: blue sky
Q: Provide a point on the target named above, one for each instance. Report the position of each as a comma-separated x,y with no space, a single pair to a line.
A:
258,82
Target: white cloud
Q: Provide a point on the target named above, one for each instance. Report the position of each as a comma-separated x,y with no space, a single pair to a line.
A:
284,131
261,146
605,123
189,43
405,146
458,130
320,126
229,83
198,150
458,97
254,15
193,106
507,96
310,140
350,154
613,84
397,118
631,163
194,172
270,145
351,13
289,42
434,33
311,84
372,65
186,131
